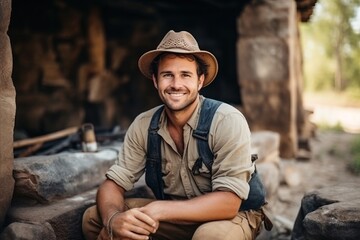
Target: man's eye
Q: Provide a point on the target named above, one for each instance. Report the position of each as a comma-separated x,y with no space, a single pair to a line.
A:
186,75
167,75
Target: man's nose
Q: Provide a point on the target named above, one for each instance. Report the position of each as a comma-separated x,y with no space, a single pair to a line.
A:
176,81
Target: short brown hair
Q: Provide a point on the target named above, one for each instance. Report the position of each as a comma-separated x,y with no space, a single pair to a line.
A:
201,66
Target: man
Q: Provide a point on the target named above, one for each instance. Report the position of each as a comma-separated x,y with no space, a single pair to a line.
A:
198,206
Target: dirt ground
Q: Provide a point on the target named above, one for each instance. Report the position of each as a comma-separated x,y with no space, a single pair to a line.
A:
328,166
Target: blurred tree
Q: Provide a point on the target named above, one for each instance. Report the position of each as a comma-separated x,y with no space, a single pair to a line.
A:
332,46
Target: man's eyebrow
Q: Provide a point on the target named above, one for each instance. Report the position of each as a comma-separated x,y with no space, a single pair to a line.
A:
188,72
162,72
184,71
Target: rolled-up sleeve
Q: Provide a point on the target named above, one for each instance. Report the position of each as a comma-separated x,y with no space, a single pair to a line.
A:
130,164
230,140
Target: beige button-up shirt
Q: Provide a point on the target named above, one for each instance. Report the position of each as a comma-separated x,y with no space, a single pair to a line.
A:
229,139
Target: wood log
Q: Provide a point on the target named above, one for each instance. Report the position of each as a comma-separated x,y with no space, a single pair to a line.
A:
45,138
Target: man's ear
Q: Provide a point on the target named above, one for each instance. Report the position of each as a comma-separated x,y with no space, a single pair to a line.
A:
201,81
154,81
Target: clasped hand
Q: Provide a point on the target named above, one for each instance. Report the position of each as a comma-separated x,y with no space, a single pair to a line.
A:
132,224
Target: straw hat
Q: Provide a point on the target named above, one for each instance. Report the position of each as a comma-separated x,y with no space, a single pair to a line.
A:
179,42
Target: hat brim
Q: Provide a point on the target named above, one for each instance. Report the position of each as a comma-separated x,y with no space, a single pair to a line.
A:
146,59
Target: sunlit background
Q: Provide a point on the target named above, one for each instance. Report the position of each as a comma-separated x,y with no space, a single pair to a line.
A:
331,49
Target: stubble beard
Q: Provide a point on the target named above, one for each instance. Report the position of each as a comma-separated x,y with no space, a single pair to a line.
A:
183,107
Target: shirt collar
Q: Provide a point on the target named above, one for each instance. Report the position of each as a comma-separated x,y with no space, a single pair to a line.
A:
192,122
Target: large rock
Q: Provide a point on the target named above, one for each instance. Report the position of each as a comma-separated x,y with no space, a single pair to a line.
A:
266,145
58,176
330,213
60,220
7,111
28,231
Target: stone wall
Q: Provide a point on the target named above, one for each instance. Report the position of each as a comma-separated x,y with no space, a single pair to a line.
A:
70,70
7,112
79,61
269,63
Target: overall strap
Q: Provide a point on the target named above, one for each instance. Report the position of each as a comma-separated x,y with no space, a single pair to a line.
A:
201,133
256,197
153,173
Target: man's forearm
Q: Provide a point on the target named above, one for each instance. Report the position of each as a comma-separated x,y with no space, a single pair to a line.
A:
212,206
109,198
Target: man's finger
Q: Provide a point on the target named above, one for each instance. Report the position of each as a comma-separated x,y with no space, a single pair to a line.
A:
145,219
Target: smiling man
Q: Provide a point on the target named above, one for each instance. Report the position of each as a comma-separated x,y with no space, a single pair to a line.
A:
195,198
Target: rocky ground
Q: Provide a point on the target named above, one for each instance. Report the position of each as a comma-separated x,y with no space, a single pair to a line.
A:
328,166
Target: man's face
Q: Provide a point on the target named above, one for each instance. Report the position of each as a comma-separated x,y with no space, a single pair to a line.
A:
177,82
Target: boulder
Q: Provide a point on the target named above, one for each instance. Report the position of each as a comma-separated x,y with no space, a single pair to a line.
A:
28,231
266,145
56,220
329,213
45,178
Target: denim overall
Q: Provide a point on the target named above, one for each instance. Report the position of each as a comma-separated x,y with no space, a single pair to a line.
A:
153,174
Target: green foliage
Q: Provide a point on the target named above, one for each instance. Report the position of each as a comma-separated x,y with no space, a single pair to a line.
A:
331,46
353,95
348,98
355,151
327,127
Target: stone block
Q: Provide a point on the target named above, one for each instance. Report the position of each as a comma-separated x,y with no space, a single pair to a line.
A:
266,144
28,231
270,176
45,178
266,18
64,217
263,59
330,213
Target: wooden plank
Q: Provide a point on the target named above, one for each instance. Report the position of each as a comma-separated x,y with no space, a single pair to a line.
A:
45,138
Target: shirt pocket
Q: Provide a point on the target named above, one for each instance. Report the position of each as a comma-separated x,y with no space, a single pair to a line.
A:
166,167
201,175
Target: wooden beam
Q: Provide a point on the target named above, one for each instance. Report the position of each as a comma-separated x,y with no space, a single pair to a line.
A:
45,138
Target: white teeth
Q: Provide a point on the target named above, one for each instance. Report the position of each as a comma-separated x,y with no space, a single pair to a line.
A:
176,94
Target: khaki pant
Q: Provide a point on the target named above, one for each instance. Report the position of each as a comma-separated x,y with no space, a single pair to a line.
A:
245,226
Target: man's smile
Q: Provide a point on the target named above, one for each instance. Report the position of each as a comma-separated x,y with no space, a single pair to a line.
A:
176,94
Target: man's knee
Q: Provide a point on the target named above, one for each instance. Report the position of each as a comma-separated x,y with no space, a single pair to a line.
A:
91,223
243,227
220,230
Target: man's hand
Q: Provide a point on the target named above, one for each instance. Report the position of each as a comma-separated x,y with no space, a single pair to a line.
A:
131,224
217,205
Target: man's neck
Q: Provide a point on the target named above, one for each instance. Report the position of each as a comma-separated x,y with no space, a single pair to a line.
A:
178,119
176,122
